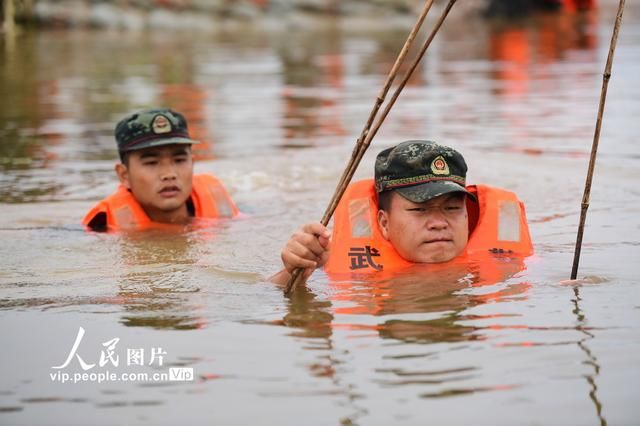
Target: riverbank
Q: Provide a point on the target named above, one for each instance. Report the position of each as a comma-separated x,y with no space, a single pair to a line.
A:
202,14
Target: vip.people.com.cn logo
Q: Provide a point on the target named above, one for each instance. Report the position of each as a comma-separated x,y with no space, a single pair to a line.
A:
110,359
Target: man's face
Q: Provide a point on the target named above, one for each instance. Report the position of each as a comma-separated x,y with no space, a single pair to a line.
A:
160,178
431,232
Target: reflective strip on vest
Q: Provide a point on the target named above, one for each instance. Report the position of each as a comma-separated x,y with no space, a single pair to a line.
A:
223,207
360,218
508,221
125,217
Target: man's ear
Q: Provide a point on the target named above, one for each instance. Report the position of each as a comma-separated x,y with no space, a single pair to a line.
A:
383,223
123,174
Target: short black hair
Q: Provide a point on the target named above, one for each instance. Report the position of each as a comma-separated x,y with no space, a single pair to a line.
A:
384,200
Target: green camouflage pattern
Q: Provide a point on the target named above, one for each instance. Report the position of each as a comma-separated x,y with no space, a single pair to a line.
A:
420,170
153,127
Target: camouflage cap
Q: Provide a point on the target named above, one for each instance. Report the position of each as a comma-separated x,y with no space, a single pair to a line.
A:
154,127
420,170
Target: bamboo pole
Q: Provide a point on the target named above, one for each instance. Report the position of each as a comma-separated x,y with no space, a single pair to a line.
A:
392,101
367,135
383,92
596,139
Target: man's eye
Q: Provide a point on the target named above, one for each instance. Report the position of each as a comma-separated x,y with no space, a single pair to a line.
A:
416,209
181,159
453,208
150,163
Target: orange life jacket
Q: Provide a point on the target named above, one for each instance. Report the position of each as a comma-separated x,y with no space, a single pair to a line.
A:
497,226
210,200
574,5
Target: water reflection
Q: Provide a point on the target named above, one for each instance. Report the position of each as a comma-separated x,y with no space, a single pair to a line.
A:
22,93
433,293
147,279
313,82
527,56
591,359
179,89
524,52
428,304
310,316
399,341
303,87
191,101
156,281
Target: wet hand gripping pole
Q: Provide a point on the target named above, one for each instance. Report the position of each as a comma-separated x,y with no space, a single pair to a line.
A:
363,142
596,138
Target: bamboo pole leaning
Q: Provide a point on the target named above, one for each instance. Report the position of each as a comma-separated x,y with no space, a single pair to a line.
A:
596,139
395,96
383,92
368,133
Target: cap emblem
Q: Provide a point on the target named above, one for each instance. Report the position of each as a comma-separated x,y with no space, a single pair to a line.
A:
439,166
161,125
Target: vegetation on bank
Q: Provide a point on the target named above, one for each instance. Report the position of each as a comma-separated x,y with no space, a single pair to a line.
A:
145,13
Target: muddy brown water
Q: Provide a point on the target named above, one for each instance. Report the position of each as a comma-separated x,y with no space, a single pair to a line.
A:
278,107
